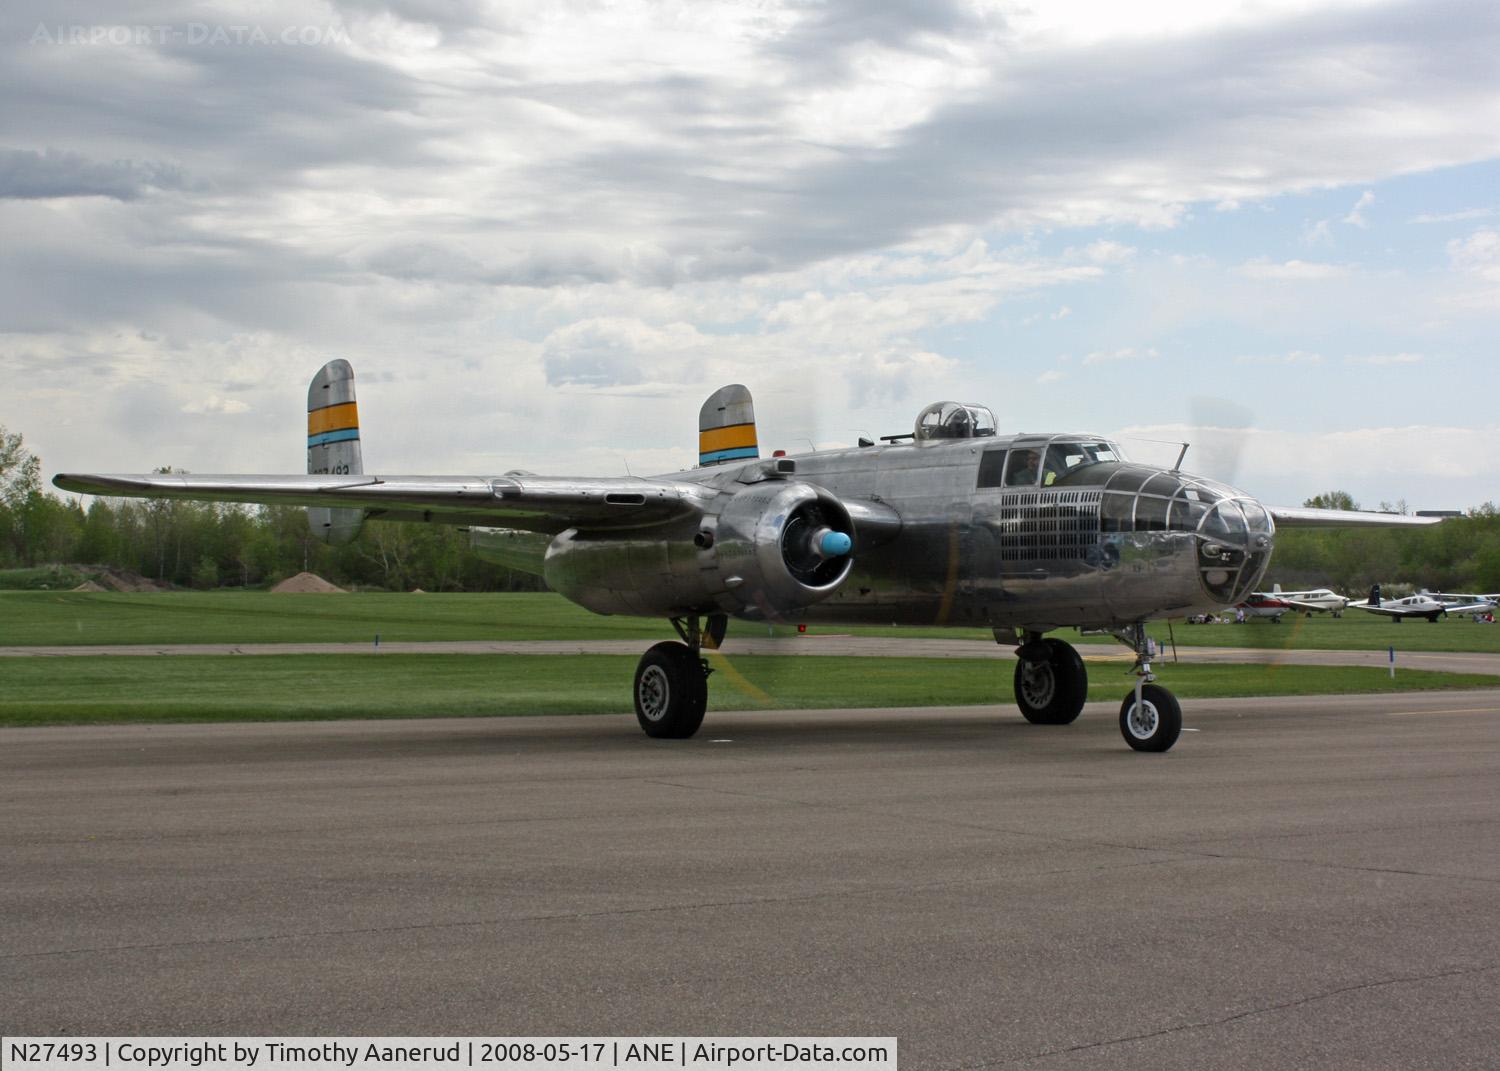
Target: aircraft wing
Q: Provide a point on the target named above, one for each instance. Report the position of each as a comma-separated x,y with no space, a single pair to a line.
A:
531,503
1306,517
1305,607
1469,608
1386,611
1398,611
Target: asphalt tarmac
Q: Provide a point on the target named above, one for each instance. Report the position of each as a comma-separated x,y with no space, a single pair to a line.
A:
1309,882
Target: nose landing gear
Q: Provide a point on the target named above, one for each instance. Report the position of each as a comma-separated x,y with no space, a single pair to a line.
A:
1150,717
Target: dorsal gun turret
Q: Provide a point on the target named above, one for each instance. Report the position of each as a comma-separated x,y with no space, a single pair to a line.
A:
953,420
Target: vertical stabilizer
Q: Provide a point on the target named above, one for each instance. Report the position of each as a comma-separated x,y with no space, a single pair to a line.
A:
726,427
333,446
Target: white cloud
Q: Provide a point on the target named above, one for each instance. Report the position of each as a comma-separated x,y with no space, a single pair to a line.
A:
1051,376
214,404
1108,252
1129,353
1294,357
1294,270
1380,360
1479,253
1453,217
1356,216
1319,233
1421,463
587,215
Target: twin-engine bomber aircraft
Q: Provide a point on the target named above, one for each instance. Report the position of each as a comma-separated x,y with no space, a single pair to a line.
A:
1023,534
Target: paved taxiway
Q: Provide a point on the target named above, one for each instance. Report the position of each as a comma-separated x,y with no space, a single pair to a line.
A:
1301,882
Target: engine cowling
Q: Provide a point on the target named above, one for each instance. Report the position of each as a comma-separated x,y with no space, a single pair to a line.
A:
771,549
780,546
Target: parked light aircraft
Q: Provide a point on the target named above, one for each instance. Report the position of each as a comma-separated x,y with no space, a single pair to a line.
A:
1423,604
1259,604
1316,600
1465,603
949,524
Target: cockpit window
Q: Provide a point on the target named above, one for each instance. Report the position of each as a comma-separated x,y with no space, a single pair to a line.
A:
954,420
1064,457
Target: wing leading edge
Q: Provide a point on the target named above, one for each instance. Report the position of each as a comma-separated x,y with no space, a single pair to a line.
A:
531,503
1306,517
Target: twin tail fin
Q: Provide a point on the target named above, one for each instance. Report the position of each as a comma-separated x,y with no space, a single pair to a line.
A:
726,427
333,446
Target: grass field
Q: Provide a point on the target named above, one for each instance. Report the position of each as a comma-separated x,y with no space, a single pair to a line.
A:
94,690
41,578
60,618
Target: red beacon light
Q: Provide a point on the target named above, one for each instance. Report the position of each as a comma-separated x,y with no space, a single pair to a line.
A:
778,453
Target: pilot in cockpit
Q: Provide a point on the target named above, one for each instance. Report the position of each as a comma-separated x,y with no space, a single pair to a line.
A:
1022,471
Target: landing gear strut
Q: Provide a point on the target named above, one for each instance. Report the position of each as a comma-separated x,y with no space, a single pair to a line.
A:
671,680
1150,717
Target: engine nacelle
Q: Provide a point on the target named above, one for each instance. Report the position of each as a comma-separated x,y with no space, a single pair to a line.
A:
775,547
779,546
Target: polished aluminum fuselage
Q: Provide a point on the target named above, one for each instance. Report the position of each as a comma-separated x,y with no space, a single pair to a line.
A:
1034,558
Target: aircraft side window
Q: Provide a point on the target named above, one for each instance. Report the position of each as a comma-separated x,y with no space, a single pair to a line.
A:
1021,470
991,463
1151,514
1117,512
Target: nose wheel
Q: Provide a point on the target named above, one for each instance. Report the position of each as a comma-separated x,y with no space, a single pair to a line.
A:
1150,718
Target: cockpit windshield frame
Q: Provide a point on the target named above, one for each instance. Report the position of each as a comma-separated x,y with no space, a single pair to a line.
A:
1063,455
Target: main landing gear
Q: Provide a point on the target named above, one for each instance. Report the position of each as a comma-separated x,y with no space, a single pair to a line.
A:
1051,682
671,680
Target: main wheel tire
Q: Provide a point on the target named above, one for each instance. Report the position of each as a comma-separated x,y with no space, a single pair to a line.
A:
1156,724
1051,690
671,691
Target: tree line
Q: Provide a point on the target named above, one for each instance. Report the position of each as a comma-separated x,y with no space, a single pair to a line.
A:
209,545
206,545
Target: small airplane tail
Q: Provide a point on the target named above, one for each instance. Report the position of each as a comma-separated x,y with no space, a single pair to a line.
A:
726,427
333,446
1375,595
1275,589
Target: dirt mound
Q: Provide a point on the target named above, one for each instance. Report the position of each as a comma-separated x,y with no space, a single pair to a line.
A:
89,585
124,580
306,584
418,591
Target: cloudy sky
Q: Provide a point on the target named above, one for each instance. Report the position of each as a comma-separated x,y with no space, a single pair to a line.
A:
543,232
